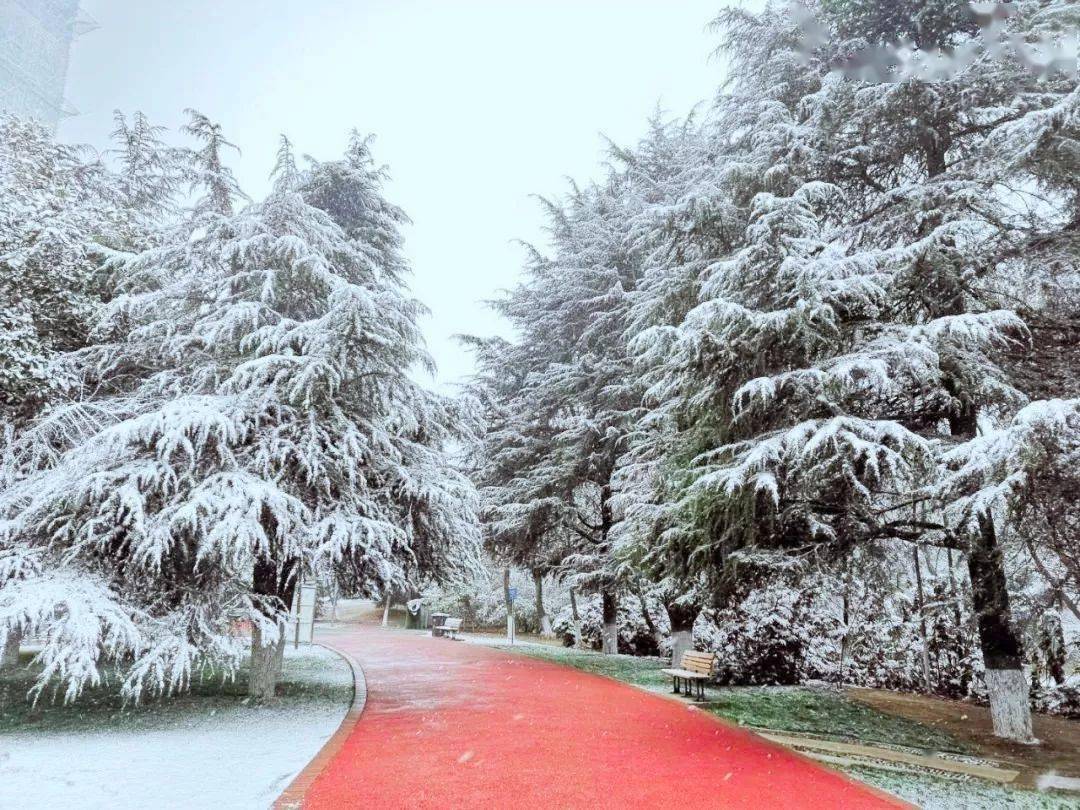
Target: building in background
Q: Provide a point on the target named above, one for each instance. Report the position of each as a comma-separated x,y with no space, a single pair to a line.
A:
35,42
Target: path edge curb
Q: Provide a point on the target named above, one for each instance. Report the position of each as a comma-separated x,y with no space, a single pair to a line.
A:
293,796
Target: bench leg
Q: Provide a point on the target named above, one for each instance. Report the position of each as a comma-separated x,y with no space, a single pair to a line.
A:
676,689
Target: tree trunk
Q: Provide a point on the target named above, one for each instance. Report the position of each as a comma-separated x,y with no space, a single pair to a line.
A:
957,605
266,660
542,617
386,611
275,584
682,630
845,608
576,618
1006,685
609,634
509,606
924,636
10,658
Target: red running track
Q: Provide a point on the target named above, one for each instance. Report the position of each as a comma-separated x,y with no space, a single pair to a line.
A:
456,725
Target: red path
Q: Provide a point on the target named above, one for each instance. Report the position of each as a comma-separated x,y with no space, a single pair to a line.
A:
455,725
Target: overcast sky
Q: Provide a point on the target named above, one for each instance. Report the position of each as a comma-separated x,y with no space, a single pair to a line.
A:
476,104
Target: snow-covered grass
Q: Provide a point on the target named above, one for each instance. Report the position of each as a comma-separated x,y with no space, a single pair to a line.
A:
210,748
932,792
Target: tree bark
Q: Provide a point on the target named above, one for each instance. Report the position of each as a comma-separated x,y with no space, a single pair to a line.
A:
1006,684
275,584
682,630
509,605
542,618
10,658
845,607
924,636
576,618
386,611
266,660
609,634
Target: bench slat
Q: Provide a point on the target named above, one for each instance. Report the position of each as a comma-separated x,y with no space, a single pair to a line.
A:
698,662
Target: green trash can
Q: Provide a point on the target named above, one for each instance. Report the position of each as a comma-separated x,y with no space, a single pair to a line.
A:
420,619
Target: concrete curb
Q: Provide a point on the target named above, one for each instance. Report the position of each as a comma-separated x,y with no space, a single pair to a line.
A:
293,795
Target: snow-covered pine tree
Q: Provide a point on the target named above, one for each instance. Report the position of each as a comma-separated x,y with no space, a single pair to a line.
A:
574,402
681,220
56,201
563,395
868,307
248,414
520,511
206,167
149,174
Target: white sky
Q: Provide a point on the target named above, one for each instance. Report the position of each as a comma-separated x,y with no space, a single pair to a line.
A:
476,104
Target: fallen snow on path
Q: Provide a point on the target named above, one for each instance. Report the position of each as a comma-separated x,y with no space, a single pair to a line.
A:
234,759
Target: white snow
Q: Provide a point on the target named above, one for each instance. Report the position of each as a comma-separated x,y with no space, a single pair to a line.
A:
233,759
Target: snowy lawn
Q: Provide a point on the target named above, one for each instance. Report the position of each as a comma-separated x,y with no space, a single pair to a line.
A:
209,748
821,713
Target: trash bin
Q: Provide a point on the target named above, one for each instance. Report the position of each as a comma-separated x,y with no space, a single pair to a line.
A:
437,620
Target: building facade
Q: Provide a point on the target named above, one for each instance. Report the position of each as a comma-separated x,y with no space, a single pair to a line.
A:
35,43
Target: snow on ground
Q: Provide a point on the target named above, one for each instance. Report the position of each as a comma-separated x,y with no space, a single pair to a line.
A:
235,758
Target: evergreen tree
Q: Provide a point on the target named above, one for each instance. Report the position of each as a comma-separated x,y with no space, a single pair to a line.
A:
866,310
248,417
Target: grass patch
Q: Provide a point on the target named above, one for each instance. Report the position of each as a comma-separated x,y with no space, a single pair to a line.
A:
640,671
307,678
826,714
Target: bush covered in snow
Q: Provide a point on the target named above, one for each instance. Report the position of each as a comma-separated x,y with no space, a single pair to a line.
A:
635,637
1061,699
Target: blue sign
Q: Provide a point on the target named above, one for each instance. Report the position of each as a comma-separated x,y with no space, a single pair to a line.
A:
513,594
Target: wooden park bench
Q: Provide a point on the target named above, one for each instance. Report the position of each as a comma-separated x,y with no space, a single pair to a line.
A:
449,629
694,668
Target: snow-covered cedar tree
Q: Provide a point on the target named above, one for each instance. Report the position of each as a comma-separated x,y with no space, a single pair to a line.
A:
246,416
562,397
150,174
869,309
55,201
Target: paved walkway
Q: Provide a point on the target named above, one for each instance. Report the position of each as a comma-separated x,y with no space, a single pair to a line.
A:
456,725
